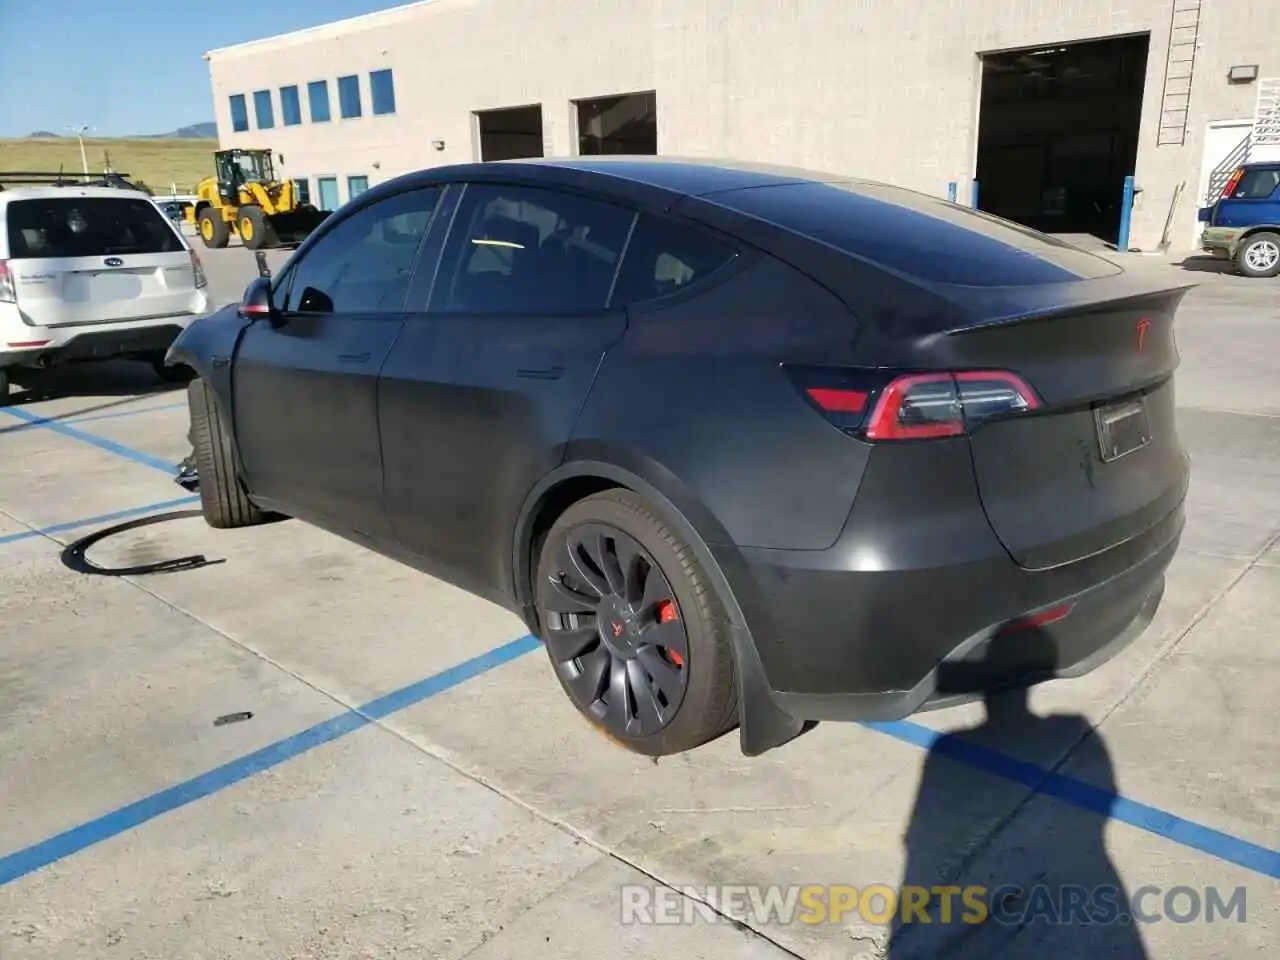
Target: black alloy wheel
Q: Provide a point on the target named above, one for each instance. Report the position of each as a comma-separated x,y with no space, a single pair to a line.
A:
614,631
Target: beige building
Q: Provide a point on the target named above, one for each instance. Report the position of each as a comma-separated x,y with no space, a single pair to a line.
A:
1037,109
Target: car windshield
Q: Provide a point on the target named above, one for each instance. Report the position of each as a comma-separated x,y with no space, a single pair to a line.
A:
87,227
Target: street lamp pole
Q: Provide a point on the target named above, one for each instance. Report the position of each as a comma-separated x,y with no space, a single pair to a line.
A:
84,159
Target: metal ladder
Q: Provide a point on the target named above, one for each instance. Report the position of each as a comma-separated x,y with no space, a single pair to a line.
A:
1175,103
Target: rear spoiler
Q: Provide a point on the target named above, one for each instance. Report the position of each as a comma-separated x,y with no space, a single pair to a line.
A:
63,179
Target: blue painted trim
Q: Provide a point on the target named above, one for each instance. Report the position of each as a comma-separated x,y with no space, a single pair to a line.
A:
1126,215
102,518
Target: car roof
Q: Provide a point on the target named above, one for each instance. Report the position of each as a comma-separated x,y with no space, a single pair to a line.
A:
9,194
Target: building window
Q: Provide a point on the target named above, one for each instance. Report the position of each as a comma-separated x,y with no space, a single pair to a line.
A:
318,98
622,124
349,97
290,107
382,91
327,187
262,109
356,186
239,113
302,188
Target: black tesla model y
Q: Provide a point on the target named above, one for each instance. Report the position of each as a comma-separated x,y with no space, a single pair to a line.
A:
742,445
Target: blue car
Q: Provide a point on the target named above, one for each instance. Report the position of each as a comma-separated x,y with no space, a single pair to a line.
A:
1244,224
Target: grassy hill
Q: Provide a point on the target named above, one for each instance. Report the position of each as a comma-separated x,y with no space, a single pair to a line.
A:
157,163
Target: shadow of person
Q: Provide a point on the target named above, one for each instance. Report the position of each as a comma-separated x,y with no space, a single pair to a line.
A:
1027,876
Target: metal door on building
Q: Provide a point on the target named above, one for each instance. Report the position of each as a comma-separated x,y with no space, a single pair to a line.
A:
356,186
1226,145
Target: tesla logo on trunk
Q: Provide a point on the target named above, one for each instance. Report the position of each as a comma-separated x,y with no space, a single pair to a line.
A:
1143,326
113,262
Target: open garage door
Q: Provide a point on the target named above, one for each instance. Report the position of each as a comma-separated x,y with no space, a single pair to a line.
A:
1058,133
514,133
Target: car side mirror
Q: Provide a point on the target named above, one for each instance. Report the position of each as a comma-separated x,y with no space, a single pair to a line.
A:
256,302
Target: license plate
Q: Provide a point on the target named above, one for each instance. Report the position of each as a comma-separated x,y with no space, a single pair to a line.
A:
1122,428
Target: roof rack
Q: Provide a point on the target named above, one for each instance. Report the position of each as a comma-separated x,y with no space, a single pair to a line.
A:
63,179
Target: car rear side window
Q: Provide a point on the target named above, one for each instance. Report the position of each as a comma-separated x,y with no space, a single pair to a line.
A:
87,227
1257,184
917,235
363,265
515,249
664,257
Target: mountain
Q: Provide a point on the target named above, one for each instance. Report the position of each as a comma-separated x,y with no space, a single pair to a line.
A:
43,135
196,131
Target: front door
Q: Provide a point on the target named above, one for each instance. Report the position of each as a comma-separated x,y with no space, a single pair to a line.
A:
305,390
480,393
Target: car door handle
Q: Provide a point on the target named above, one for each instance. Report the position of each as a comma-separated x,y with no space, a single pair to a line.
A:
541,373
354,357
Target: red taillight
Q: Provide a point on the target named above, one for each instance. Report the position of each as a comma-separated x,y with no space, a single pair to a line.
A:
884,405
834,400
1234,182
920,406
8,294
1042,619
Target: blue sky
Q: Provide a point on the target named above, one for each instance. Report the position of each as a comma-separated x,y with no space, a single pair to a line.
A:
131,66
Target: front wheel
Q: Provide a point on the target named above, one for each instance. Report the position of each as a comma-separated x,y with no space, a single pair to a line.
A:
634,630
1259,255
223,501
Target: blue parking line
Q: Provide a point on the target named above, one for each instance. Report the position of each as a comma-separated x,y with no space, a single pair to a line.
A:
101,518
125,413
1076,793
119,449
1153,820
23,862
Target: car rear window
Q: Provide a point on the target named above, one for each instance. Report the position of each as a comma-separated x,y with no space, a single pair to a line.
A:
1257,184
917,235
87,227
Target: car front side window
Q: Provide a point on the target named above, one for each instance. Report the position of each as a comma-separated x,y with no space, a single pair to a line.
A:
363,264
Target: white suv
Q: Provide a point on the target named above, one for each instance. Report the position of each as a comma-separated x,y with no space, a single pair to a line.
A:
90,273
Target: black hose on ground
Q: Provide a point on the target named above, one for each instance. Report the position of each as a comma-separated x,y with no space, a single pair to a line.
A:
74,554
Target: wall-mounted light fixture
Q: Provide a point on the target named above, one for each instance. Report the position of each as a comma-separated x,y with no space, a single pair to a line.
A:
1243,73
438,144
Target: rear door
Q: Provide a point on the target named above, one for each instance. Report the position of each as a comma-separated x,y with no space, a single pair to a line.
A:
304,392
481,392
85,259
1254,199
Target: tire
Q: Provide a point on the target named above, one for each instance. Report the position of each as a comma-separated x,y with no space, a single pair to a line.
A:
214,231
5,387
585,653
222,498
1259,255
256,231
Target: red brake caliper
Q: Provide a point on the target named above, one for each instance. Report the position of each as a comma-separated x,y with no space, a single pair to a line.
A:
666,614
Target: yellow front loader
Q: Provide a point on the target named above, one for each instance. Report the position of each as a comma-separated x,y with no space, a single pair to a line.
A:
244,199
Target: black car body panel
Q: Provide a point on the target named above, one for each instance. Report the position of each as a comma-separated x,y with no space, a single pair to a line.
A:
748,409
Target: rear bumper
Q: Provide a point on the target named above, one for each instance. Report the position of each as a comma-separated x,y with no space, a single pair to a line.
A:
43,346
1221,240
903,616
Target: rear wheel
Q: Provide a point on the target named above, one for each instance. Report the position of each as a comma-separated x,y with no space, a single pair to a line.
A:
637,636
222,499
213,229
1259,255
256,231
4,387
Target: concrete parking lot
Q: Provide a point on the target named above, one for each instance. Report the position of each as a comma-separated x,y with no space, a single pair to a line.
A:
303,750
